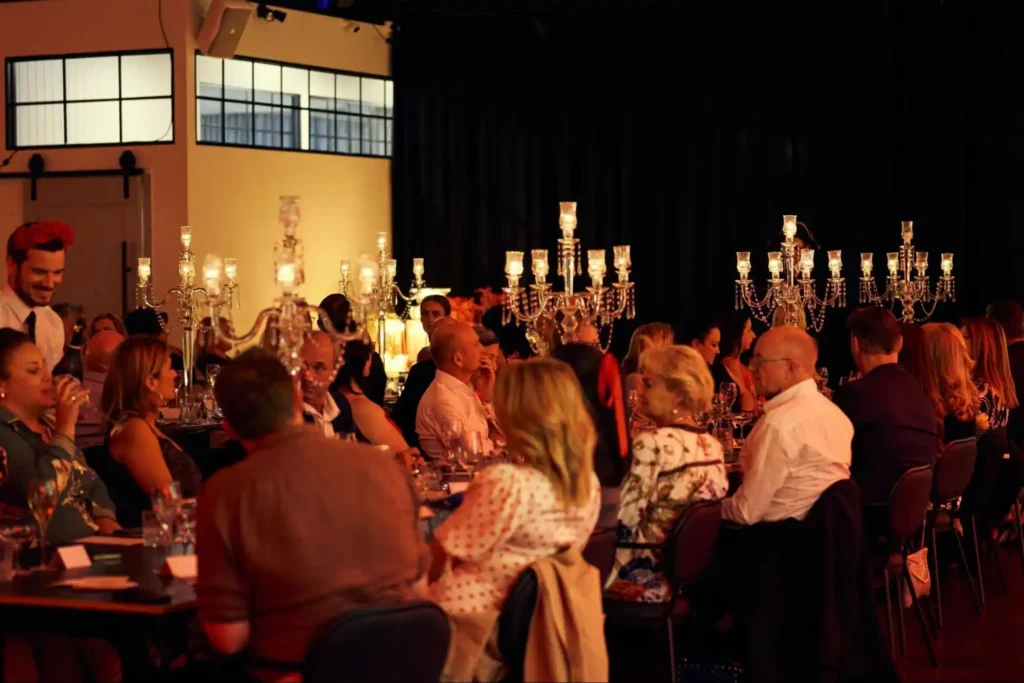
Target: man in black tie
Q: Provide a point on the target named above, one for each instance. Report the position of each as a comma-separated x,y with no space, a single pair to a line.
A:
894,423
35,268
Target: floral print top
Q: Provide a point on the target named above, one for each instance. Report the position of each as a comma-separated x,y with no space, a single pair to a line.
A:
993,413
673,467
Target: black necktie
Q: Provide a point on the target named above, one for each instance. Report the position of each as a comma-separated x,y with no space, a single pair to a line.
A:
30,326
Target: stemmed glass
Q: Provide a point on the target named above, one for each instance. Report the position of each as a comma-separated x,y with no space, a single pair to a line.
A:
451,437
822,378
186,522
42,501
212,373
729,393
166,502
20,534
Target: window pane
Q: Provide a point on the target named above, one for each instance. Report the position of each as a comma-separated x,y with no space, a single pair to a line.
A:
348,134
387,149
296,82
389,96
373,96
39,124
146,75
146,120
321,131
209,76
39,81
93,123
91,78
268,126
209,121
237,123
348,94
238,80
321,85
267,79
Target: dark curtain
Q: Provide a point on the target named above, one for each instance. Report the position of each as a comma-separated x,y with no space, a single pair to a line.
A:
687,134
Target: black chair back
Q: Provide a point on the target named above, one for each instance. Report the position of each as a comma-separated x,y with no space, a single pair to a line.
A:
693,541
514,623
600,551
908,502
953,470
406,642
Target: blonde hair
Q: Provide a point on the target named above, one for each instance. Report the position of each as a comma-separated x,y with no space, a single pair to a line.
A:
991,358
540,407
947,379
645,337
687,380
125,391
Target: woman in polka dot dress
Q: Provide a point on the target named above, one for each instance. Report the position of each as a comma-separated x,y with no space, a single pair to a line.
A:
514,515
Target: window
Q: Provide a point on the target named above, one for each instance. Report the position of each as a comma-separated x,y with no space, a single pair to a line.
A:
99,99
251,103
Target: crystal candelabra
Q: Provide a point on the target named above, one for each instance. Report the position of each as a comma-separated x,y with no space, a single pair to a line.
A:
189,297
909,291
378,293
786,291
289,323
598,305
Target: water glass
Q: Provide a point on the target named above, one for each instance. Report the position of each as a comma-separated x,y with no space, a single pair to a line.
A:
8,559
155,532
186,522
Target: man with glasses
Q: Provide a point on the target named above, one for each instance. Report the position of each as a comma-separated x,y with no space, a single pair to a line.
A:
801,445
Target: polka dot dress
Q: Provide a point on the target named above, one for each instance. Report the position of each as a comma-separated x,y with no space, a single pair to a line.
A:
510,518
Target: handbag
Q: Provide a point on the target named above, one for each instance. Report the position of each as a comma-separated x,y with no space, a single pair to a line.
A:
920,576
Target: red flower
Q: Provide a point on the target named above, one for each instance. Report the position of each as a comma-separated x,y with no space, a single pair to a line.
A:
33,234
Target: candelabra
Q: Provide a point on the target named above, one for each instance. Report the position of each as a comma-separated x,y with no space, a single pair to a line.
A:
286,325
187,295
598,305
908,291
787,292
378,292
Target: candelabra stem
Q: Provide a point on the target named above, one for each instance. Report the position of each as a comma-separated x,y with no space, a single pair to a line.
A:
187,352
381,332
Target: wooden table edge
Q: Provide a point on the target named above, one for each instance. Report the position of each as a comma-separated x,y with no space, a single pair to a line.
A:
91,606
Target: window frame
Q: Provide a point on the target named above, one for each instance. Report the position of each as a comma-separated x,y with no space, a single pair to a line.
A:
11,106
253,104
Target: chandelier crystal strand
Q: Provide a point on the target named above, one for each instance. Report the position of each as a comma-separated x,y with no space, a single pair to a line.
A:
188,298
914,294
537,306
790,285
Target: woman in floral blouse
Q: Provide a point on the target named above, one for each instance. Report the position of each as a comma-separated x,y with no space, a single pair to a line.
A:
673,467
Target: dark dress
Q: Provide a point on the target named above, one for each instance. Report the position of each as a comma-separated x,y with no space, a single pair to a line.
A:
421,376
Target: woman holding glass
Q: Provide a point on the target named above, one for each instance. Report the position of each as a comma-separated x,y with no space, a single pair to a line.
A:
142,458
737,338
673,467
42,468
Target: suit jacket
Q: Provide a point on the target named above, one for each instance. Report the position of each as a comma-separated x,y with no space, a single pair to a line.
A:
894,429
344,424
420,377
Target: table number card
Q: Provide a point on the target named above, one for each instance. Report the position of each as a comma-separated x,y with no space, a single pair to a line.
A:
73,557
181,566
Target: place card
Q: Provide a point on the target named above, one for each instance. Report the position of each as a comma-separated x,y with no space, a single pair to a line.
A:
181,566
425,512
458,486
73,557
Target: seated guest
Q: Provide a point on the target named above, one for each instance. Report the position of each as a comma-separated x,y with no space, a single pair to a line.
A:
146,321
801,445
37,449
947,381
139,382
737,336
703,335
644,337
483,380
319,407
673,467
450,409
894,425
303,530
513,515
598,375
432,309
511,337
370,419
420,377
986,344
211,349
107,322
339,310
99,351
74,339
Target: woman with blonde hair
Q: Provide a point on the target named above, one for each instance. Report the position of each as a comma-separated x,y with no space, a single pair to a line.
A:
645,337
514,515
673,467
947,382
987,344
139,382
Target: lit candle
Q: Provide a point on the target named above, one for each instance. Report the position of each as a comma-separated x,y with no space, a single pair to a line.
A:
186,236
567,218
231,269
186,270
145,268
286,275
835,262
743,264
539,264
922,263
806,261
417,269
346,267
908,231
947,264
867,263
892,259
623,262
392,269
596,266
211,274
789,227
382,241
775,264
513,265
366,279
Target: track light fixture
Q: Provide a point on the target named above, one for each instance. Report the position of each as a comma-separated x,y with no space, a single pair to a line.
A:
269,14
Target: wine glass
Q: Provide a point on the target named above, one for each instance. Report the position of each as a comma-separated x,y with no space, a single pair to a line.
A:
21,534
729,393
822,378
451,437
42,501
186,521
166,501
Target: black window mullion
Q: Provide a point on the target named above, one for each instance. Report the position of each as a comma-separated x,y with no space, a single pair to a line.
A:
120,106
64,95
223,105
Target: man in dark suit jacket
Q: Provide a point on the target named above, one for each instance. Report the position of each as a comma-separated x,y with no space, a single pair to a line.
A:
894,423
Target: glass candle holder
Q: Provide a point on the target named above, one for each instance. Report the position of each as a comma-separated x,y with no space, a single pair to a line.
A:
231,269
892,260
921,263
186,236
596,266
392,268
145,268
947,264
567,218
623,261
789,227
211,274
417,269
382,241
907,230
743,264
775,264
835,262
539,264
513,266
867,263
806,261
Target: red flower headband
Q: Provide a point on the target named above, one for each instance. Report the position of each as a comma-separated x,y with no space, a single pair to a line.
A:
31,235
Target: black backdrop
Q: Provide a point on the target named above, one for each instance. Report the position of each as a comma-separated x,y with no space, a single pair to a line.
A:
688,133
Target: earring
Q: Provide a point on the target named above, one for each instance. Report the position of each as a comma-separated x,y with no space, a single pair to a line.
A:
3,394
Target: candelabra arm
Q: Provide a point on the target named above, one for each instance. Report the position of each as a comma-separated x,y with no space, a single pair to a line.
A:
512,303
149,303
239,340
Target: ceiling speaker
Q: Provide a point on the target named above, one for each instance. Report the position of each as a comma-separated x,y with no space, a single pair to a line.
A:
222,27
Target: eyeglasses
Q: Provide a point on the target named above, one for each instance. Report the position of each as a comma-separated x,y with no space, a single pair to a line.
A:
757,361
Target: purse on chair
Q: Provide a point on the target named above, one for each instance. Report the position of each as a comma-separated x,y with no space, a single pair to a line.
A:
920,576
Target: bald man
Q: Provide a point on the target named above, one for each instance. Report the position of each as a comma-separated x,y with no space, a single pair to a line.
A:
99,351
801,445
450,412
420,377
329,412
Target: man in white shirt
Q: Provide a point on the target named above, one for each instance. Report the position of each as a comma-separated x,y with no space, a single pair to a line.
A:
801,445
35,268
450,410
318,406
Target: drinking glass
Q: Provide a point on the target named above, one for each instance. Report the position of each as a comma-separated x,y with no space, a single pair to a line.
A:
21,534
8,559
155,532
212,373
451,436
166,501
729,393
42,501
186,522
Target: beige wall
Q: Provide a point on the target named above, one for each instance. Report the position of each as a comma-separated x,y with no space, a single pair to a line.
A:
345,200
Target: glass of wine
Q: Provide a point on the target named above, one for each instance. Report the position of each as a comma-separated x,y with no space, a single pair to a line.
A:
451,436
42,501
166,502
20,533
729,394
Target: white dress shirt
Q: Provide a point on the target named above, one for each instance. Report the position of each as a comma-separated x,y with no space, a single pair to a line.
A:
324,420
449,401
799,448
49,326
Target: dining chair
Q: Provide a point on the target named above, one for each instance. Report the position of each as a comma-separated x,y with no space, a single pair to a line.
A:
600,551
514,624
